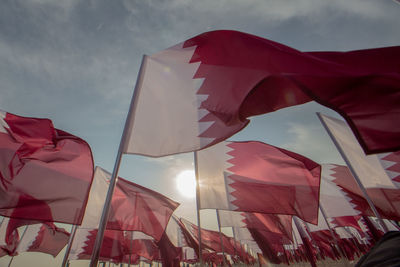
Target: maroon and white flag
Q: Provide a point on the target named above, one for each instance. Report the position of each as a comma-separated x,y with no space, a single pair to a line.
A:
201,91
45,173
275,223
117,245
378,170
133,207
113,248
209,239
385,200
257,177
334,199
37,237
379,173
43,238
8,240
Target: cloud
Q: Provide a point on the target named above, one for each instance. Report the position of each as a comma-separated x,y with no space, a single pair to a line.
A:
311,141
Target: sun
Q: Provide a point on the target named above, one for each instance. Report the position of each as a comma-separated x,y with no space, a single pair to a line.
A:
186,183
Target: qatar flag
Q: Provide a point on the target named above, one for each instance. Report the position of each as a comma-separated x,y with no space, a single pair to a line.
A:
275,223
334,199
256,177
133,207
37,237
209,239
379,173
201,91
45,173
113,248
43,238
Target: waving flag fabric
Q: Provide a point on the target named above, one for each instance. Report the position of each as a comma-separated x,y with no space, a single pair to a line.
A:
274,223
257,177
45,173
43,238
37,237
378,173
202,91
279,224
381,197
133,207
209,239
114,245
334,199
8,240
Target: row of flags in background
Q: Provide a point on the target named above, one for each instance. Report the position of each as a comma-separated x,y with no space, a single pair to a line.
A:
207,87
256,187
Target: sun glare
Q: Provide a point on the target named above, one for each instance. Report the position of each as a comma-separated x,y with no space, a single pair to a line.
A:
186,183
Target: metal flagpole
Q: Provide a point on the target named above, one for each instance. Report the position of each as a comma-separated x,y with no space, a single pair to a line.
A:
130,249
370,203
220,237
114,177
196,170
332,233
309,255
16,249
68,250
234,240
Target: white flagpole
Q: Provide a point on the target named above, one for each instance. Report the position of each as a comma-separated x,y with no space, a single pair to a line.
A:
220,237
68,250
339,148
196,170
114,177
332,233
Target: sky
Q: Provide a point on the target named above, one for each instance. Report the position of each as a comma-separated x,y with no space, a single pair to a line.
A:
76,63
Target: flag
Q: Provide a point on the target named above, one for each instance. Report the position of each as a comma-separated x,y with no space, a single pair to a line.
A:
278,224
275,223
43,238
209,239
201,91
37,237
385,200
8,241
113,248
334,199
170,254
45,173
256,177
133,207
378,173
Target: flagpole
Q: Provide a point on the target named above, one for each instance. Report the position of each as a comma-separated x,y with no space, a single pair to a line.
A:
68,250
234,239
364,191
220,237
196,170
331,231
309,255
114,177
130,249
